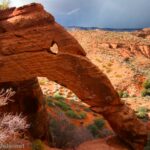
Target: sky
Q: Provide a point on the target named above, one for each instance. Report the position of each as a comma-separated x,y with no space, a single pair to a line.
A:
97,13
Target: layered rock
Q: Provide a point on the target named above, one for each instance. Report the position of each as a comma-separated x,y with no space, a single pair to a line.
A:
129,49
26,35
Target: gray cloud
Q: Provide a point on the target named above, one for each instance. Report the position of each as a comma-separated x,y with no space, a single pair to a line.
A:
100,13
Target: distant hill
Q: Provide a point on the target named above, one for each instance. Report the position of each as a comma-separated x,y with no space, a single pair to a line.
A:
107,29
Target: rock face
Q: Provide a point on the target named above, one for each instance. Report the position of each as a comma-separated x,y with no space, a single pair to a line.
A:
29,101
129,49
26,36
23,99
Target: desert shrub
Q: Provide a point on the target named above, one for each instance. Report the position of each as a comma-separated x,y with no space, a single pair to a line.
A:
146,92
66,135
72,114
94,130
81,135
58,96
4,4
64,106
82,115
10,125
49,101
142,112
120,93
105,133
123,94
96,127
37,145
99,123
75,115
61,132
146,84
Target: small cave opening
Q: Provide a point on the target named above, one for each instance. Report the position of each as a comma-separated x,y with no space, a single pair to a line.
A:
54,49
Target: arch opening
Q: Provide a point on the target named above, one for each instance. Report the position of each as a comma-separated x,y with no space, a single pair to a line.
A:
54,49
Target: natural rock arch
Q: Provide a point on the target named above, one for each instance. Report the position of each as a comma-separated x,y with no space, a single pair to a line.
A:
25,39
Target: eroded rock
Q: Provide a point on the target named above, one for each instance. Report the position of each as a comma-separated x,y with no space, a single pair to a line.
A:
27,33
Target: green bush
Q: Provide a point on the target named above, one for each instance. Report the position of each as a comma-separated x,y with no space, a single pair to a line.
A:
99,123
49,101
82,115
61,131
94,130
75,115
146,84
37,145
123,94
72,114
120,93
142,112
146,92
62,105
58,96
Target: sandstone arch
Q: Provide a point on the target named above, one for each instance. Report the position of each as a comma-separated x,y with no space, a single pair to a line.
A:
27,34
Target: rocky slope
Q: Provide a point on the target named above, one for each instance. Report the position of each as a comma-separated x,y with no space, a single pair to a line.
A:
118,55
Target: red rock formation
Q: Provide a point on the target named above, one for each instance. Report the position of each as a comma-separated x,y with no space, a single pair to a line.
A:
129,49
29,101
27,33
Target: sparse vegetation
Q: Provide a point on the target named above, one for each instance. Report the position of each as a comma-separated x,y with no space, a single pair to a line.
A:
99,123
72,114
123,94
94,130
82,115
11,126
146,84
146,91
58,96
142,112
37,145
61,104
96,127
75,115
66,135
49,101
